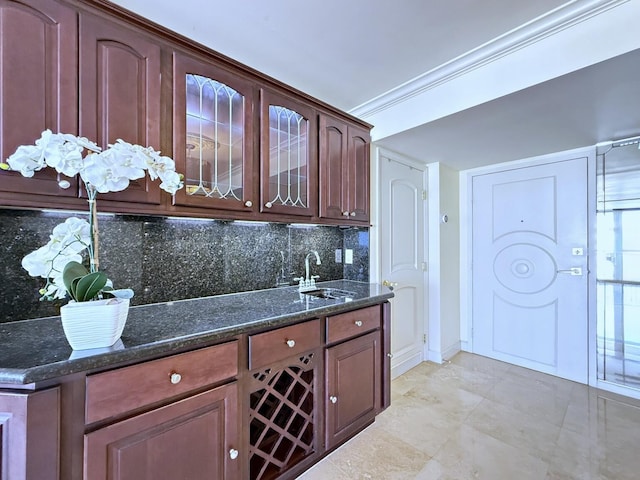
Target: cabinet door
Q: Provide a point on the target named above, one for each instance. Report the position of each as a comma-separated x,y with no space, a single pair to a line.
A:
352,391
38,87
289,156
213,136
29,432
333,168
344,170
359,174
195,438
120,94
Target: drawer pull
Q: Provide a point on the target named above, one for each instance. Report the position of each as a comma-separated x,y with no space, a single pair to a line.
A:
333,399
291,343
175,378
248,203
358,323
233,454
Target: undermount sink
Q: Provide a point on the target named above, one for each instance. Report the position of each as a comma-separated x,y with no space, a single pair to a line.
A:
333,293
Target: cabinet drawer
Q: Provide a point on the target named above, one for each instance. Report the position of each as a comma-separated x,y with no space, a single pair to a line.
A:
128,388
269,347
351,324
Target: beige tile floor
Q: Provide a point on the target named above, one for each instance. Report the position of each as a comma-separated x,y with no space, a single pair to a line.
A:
477,418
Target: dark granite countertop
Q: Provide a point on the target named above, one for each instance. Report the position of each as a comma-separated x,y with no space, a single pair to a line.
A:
37,350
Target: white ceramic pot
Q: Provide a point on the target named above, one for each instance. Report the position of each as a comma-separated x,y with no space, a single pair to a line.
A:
96,324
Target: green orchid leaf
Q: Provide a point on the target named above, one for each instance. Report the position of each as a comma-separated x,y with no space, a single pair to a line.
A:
90,285
72,270
73,286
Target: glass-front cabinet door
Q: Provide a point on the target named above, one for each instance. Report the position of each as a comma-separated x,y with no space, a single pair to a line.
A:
289,158
213,136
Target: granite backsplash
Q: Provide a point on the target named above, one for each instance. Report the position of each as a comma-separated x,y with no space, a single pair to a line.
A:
165,259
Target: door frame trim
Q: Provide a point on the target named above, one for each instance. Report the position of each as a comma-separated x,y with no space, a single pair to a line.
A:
466,258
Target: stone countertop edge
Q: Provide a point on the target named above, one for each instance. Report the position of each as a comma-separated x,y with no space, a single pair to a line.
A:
36,350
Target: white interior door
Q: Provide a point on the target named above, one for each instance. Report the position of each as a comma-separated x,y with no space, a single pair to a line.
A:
529,265
403,249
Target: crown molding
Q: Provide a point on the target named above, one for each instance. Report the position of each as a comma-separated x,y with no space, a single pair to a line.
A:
561,18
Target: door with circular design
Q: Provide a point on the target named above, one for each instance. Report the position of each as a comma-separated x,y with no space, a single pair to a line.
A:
529,274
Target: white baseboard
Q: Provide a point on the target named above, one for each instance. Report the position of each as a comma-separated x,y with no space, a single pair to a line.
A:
448,353
404,365
434,356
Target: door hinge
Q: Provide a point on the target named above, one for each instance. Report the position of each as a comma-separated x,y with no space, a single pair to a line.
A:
423,265
424,338
424,194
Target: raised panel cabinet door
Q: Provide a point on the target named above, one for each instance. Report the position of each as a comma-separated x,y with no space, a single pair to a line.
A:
196,438
29,435
353,391
288,156
333,168
359,174
213,137
120,94
38,87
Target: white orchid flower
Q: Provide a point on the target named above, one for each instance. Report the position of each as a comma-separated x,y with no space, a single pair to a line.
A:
73,235
27,159
171,181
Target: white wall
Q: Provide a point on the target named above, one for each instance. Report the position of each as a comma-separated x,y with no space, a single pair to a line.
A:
444,263
449,262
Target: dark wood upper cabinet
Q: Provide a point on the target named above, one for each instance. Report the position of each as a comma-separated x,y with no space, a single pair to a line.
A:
248,146
120,94
213,136
359,150
344,170
288,156
38,88
333,168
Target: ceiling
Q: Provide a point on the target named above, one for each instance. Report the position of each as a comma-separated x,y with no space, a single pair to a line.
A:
347,53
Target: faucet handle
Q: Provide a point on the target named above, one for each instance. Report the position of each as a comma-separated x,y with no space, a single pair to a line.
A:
298,279
315,277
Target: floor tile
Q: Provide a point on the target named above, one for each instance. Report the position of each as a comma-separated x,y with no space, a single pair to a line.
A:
478,418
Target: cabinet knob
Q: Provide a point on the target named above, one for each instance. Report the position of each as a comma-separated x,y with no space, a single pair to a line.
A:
358,323
175,378
233,454
291,343
345,214
248,203
268,204
390,355
353,214
333,399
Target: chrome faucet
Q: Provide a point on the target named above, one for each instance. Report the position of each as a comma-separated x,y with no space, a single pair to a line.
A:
309,281
306,264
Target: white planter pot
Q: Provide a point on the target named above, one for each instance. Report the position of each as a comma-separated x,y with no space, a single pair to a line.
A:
96,324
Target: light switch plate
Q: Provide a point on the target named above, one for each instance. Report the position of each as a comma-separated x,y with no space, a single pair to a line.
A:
348,256
338,255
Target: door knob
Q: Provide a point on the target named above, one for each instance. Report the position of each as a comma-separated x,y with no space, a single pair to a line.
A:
573,271
389,284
